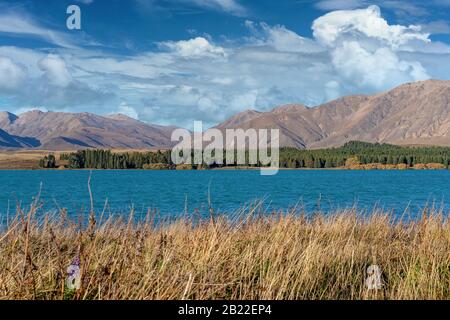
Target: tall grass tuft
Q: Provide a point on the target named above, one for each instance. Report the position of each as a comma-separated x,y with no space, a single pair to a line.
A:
282,255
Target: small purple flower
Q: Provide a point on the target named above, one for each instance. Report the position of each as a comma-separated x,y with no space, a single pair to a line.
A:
76,262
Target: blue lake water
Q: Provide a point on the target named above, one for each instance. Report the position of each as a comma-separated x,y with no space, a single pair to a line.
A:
172,191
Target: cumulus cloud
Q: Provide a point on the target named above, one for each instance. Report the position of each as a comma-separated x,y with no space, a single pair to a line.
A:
194,48
127,110
55,70
363,47
31,79
11,74
351,51
379,69
340,25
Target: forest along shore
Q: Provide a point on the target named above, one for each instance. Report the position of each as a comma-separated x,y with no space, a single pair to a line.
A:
353,155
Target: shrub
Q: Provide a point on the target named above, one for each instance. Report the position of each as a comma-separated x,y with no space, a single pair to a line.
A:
156,166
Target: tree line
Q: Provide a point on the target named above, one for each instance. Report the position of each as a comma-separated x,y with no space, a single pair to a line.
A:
361,152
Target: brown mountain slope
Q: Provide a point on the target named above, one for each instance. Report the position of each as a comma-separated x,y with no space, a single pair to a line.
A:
63,131
292,120
414,113
241,117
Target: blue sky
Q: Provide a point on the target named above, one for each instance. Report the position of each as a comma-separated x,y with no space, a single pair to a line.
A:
176,61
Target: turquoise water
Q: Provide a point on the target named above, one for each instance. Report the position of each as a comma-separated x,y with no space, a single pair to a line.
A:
172,191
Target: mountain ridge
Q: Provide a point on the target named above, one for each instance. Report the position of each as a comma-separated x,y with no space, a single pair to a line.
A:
415,113
66,131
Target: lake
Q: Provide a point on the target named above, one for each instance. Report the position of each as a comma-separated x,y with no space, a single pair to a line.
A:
172,191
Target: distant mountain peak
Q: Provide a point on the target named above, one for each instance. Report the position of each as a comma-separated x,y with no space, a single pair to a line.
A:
120,116
290,108
68,131
413,113
241,117
7,118
34,111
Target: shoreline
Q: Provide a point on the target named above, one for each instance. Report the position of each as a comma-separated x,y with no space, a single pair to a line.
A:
225,169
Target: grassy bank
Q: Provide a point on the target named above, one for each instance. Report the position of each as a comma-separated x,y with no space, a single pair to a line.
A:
275,256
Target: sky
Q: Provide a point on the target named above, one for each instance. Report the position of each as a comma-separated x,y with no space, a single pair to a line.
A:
179,61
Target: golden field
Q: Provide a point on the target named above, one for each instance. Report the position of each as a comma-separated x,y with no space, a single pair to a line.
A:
23,159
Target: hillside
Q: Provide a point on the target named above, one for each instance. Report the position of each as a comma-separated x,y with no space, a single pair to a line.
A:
68,131
414,114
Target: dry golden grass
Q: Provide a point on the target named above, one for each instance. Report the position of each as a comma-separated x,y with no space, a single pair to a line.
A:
21,159
254,256
29,159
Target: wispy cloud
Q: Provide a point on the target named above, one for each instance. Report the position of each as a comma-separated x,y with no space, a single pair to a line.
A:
437,27
400,8
21,24
330,5
206,78
232,7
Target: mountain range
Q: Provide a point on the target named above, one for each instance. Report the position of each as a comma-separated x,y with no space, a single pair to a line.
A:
68,131
412,114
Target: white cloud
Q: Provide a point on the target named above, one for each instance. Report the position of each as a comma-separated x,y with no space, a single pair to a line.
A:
339,4
364,47
194,48
332,90
127,110
281,38
230,6
400,8
55,70
338,25
11,74
437,27
379,69
18,23
144,66
404,9
26,109
46,80
352,52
